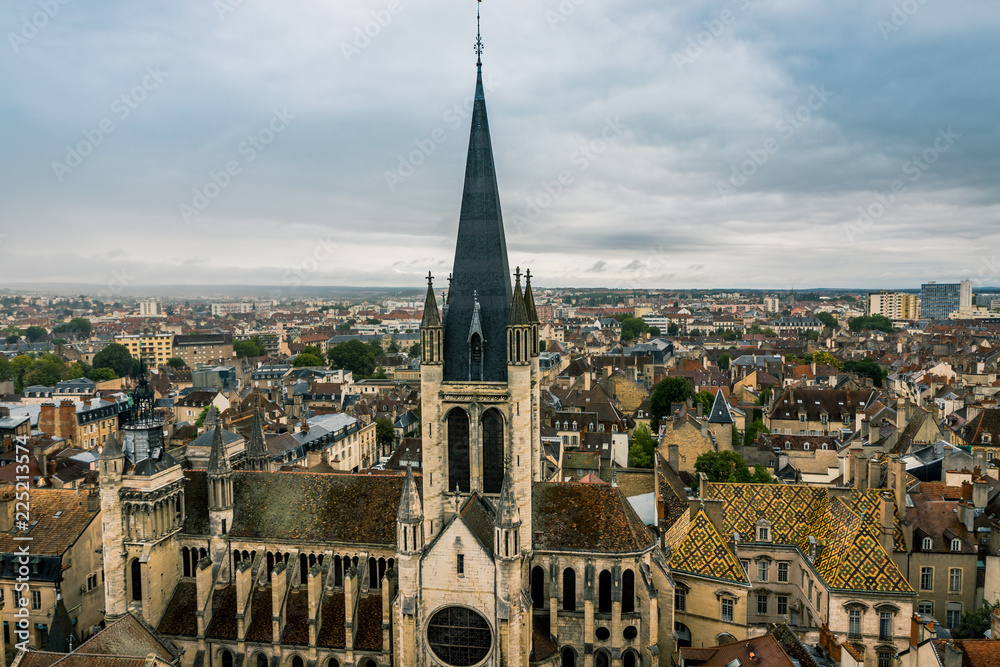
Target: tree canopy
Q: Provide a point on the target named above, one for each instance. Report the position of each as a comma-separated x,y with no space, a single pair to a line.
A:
827,319
354,356
633,327
870,322
641,452
249,348
668,390
866,368
728,466
116,357
385,434
176,362
307,359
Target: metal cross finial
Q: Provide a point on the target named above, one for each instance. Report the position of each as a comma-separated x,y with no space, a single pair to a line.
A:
527,276
430,279
479,39
517,274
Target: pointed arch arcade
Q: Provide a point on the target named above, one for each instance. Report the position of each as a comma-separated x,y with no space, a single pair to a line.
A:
493,450
458,450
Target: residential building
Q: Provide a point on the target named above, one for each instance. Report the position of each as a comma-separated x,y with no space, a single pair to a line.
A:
83,424
153,348
894,305
226,308
199,349
150,307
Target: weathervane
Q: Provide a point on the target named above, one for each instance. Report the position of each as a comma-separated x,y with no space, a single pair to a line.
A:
479,40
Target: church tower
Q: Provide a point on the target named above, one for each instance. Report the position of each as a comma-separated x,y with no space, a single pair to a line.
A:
111,466
257,455
463,572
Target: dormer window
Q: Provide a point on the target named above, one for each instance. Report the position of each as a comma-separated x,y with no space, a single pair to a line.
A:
927,544
805,446
763,531
788,445
956,545
986,438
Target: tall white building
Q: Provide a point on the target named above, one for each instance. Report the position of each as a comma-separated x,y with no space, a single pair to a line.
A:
894,305
150,307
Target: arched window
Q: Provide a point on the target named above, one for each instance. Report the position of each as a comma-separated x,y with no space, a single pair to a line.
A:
381,571
458,450
927,544
956,544
338,572
303,568
537,587
227,658
261,660
332,662
493,460
569,589
630,659
372,572
297,662
135,573
186,558
604,592
602,659
628,591
568,658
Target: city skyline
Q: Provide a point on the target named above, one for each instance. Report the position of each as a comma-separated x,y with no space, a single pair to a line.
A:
310,131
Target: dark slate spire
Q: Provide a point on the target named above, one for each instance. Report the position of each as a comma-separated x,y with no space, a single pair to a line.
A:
518,311
112,450
218,460
256,448
529,300
431,316
410,510
480,261
62,637
720,411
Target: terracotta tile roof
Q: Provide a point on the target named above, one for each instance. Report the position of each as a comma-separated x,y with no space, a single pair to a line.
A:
975,652
590,517
542,646
260,629
704,552
297,618
51,535
941,491
369,635
764,650
331,633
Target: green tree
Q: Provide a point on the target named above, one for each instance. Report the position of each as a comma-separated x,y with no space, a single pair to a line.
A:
385,434
35,333
705,399
354,356
77,325
45,371
101,374
312,349
200,421
668,390
866,368
696,333
176,362
641,452
414,351
75,370
116,357
6,369
974,624
827,319
393,348
729,467
373,321
308,359
249,348
672,329
724,360
754,428
827,359
870,323
730,335
345,326
13,339
376,345
633,327
810,335
654,332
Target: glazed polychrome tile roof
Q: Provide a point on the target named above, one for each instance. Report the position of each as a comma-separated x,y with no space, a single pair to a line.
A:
789,508
852,557
705,553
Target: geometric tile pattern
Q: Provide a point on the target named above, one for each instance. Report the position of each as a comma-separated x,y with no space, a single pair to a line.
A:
704,552
851,558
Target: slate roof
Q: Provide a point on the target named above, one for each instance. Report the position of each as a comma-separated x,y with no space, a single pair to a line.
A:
720,411
589,517
480,261
303,506
765,649
130,636
704,552
179,618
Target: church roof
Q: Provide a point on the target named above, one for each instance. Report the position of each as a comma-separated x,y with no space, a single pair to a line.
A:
518,311
704,552
480,261
255,446
431,316
568,516
218,460
112,450
529,299
409,502
319,507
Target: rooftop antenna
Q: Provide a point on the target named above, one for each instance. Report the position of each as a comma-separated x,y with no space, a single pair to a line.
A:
479,40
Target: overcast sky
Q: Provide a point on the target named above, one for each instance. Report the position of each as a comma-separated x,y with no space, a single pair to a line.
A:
700,144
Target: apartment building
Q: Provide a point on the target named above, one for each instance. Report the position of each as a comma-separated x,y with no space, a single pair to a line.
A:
153,348
894,305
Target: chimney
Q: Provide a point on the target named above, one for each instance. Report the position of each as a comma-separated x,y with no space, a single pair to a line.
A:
93,502
887,516
47,418
67,421
874,474
859,418
859,472
813,549
586,380
7,509
900,414
313,458
715,510
980,492
952,655
897,480
203,587
967,515
674,457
